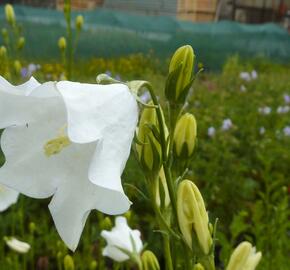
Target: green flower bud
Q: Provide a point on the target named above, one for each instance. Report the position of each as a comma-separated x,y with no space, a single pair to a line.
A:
17,66
9,13
162,193
68,263
192,216
149,149
149,261
4,33
32,227
198,266
106,224
3,51
244,257
62,43
20,43
93,265
180,74
128,215
79,22
185,136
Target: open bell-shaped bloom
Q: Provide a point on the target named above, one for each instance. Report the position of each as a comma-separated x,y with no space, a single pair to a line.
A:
70,141
120,238
8,197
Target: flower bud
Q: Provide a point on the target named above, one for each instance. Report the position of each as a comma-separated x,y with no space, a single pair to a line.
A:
32,227
62,43
20,43
162,193
244,257
106,224
3,51
180,73
192,216
79,22
149,149
9,13
93,265
68,263
185,136
17,66
149,261
198,266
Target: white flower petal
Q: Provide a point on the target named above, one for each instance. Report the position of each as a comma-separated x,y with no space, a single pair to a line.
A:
115,254
107,113
16,245
76,196
8,197
121,236
92,108
22,90
16,109
27,168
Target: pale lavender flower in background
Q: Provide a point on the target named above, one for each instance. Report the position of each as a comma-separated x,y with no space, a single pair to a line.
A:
211,131
262,130
24,72
287,98
254,74
118,77
145,97
29,70
109,73
243,88
246,76
283,109
286,131
227,124
265,110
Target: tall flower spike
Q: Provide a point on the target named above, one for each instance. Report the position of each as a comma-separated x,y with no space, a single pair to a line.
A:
87,129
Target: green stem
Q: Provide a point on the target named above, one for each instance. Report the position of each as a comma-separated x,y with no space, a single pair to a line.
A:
164,148
168,259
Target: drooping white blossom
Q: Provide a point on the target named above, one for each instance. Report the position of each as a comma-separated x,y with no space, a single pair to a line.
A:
17,245
8,197
70,141
121,237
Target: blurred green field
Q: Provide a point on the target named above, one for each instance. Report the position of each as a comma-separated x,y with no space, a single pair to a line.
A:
242,170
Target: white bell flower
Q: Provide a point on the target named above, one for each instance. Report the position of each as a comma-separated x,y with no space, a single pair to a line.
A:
70,141
17,245
121,237
8,197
